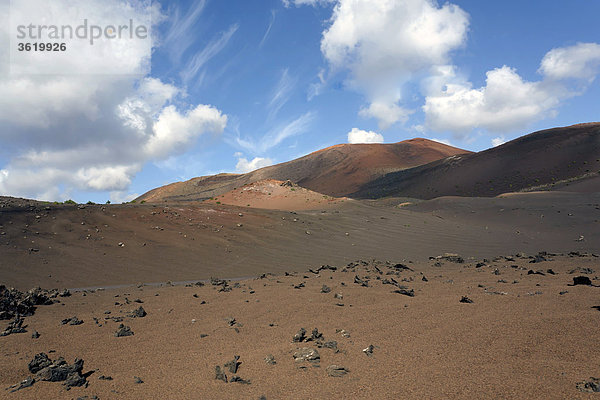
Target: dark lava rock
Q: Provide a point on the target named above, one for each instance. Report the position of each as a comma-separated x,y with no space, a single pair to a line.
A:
369,350
331,344
582,270
219,374
550,271
532,272
299,336
299,286
123,330
270,359
307,354
591,386
237,379
337,371
105,378
72,321
60,371
315,335
218,282
465,299
581,280
15,326
360,281
401,267
15,303
405,292
24,384
138,313
233,365
325,289
39,362
424,279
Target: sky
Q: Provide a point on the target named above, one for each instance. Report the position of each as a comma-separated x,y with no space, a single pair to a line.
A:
235,85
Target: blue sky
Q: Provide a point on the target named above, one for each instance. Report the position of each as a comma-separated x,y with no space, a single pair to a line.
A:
235,85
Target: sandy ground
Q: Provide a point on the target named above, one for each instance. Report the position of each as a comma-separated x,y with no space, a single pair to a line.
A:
519,339
74,248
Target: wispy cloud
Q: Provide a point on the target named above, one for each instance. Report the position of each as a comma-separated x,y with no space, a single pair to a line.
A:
277,135
282,93
266,35
178,38
213,48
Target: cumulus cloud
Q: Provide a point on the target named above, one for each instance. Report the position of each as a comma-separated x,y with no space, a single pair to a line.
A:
385,44
243,165
93,132
508,102
581,61
359,136
505,103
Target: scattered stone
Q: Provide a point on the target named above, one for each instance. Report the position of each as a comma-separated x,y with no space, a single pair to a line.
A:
581,280
300,336
563,292
465,299
307,354
105,378
550,271
39,362
299,286
360,281
15,326
233,365
591,386
582,270
35,335
369,350
72,321
237,379
24,384
450,257
325,289
270,359
137,380
337,371
405,292
339,296
138,313
219,374
532,272
123,330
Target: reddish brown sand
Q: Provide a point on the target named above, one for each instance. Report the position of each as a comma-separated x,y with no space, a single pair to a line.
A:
516,341
528,341
276,195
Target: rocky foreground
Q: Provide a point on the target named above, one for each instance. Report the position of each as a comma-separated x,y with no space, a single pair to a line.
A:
520,326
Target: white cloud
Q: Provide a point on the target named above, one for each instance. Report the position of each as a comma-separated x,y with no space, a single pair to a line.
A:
385,44
359,136
277,135
282,93
213,48
92,132
498,141
386,113
505,103
581,61
243,165
299,3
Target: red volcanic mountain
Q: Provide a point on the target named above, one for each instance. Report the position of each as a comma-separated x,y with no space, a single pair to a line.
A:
548,159
335,171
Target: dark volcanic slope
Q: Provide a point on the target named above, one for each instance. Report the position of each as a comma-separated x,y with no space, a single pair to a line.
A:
535,161
335,171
